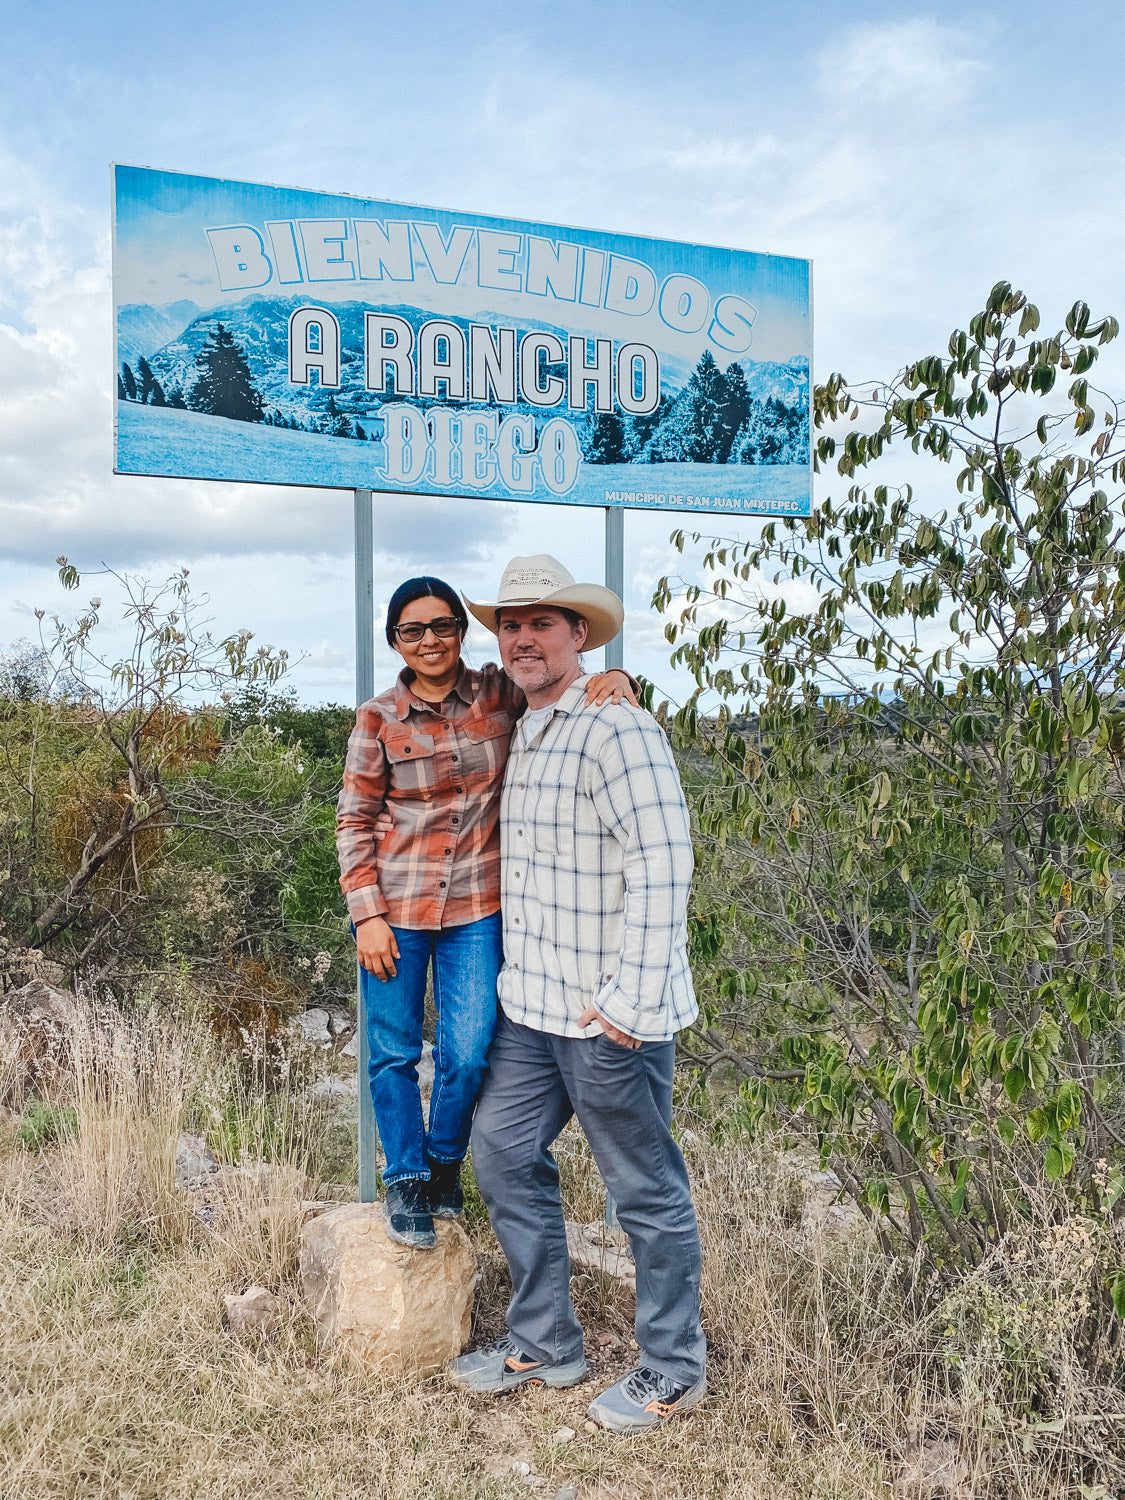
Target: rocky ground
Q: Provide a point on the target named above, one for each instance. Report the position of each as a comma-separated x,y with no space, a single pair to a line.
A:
161,1336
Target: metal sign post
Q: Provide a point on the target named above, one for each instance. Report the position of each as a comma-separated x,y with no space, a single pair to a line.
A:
615,575
614,657
364,689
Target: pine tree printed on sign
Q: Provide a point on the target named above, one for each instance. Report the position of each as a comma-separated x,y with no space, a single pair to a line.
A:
225,387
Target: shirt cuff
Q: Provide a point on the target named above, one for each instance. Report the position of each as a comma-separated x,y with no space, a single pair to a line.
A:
641,1023
366,902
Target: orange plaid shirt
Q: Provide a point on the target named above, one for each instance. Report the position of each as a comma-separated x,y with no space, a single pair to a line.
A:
437,768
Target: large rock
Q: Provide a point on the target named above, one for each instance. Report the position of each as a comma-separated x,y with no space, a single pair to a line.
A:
313,1025
37,1026
392,1308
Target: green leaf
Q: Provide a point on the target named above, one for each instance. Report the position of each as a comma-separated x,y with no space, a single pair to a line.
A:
1058,1160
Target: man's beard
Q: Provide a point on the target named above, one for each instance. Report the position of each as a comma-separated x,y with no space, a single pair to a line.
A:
532,673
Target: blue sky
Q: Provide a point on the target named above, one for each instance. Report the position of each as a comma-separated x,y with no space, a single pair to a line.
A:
917,154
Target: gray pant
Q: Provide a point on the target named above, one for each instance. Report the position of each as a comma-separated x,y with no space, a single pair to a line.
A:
622,1098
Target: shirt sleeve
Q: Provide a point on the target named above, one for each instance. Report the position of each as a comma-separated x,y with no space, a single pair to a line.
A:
636,792
361,801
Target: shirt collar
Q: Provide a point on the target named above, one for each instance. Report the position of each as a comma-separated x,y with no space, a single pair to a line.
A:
572,699
406,698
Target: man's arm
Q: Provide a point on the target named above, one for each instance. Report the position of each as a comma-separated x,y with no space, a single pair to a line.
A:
637,794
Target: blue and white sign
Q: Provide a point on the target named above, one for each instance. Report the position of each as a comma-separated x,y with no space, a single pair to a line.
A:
276,336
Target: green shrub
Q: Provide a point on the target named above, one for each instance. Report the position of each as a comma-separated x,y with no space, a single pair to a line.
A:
46,1125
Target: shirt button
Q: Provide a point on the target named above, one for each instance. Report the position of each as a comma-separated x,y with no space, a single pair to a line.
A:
521,786
519,833
460,789
449,851
516,920
442,884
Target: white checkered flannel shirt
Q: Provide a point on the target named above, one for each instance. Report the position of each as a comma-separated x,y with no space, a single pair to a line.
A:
596,864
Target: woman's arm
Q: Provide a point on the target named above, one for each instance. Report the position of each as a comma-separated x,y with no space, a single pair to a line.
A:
362,799
612,687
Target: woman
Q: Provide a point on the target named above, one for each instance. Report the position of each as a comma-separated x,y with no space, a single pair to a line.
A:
430,751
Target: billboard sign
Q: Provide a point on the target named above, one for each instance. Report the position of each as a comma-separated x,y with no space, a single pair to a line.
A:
277,336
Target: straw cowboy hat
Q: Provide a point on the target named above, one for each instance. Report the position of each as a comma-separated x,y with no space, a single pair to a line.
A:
543,580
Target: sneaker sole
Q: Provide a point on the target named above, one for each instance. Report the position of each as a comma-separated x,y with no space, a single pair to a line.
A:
618,1422
555,1376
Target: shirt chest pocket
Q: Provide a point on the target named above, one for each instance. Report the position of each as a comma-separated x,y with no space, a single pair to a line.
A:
410,764
479,727
552,812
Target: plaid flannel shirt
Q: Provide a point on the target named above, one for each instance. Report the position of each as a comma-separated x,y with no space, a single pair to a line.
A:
438,768
596,864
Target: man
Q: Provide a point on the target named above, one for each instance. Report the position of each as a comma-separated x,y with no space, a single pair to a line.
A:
596,864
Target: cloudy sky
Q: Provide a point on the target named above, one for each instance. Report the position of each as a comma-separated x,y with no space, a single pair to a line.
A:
917,154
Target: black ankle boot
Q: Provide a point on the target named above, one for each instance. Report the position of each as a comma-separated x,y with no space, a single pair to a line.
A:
408,1213
446,1200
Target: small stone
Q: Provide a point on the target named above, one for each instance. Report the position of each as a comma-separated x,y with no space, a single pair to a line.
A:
313,1024
335,1090
568,1492
935,1470
521,1467
591,1248
352,1049
590,1427
564,1435
195,1161
255,1312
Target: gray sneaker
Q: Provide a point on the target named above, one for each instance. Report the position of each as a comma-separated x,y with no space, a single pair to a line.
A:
644,1398
502,1366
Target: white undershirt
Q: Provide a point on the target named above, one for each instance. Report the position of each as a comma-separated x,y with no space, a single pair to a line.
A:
533,721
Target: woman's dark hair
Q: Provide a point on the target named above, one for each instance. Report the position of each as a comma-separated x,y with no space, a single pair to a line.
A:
424,588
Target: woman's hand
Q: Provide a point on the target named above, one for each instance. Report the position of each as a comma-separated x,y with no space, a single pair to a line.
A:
376,947
611,687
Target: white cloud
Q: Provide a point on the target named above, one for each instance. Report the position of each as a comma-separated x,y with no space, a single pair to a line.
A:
909,168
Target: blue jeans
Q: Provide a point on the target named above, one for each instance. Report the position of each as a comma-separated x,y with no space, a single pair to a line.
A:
466,961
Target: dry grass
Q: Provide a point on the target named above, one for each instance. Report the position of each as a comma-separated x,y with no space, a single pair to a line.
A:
121,1380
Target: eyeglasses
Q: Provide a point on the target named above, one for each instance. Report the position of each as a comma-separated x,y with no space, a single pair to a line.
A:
444,628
